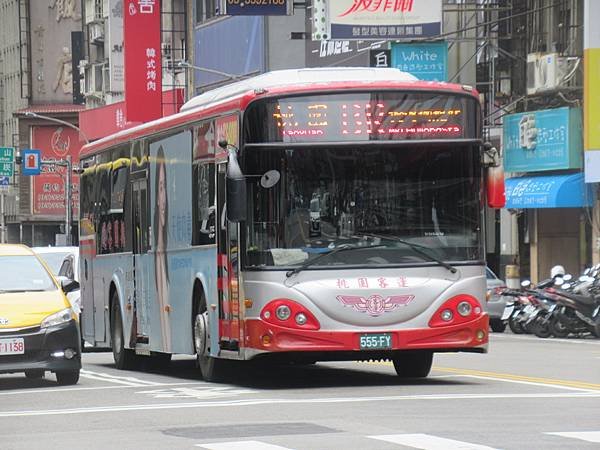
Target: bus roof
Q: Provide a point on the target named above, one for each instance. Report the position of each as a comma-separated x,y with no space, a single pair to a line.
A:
232,96
298,77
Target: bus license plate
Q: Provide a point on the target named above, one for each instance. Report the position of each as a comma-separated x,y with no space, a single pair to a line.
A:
14,346
380,341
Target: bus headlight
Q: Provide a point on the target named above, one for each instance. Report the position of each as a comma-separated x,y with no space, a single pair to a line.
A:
300,319
283,312
464,308
446,315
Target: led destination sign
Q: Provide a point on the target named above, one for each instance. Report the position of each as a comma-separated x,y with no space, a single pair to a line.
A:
366,117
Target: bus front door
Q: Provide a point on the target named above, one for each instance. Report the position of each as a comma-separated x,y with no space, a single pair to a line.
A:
142,261
228,271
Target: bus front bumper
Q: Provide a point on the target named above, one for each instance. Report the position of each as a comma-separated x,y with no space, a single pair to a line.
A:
261,337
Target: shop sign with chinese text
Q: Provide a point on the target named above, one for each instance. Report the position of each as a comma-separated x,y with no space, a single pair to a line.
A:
377,19
549,139
143,73
48,188
425,60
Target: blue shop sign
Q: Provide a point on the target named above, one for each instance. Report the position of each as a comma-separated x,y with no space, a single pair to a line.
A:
554,191
548,139
426,60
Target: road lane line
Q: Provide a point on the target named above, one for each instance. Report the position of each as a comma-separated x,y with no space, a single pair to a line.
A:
275,401
42,390
429,442
512,377
577,341
589,436
118,379
241,445
126,383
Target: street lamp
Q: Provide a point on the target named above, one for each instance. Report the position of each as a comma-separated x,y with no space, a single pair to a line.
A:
62,122
228,76
69,170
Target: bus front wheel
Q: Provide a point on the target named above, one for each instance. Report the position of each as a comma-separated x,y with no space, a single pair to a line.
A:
210,368
413,364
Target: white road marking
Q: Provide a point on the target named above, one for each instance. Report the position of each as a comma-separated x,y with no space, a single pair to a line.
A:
291,401
132,381
96,388
241,445
428,442
199,393
590,436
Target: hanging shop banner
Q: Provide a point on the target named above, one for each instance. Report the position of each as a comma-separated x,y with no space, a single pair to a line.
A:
257,7
143,72
361,19
48,188
548,139
591,90
425,60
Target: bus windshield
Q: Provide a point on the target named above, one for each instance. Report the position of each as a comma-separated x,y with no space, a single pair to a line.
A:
372,198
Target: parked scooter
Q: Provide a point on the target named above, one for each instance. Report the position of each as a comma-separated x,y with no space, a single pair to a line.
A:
578,305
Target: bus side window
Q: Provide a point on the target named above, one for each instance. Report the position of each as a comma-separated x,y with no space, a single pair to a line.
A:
204,204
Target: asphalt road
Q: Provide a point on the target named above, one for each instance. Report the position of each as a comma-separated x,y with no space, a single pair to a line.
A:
527,393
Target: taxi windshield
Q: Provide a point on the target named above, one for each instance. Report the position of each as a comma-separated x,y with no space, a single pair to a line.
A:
23,274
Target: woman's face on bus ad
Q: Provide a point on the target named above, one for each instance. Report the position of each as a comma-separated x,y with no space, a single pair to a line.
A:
162,195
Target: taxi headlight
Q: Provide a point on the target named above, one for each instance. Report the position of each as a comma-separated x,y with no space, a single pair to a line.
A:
57,318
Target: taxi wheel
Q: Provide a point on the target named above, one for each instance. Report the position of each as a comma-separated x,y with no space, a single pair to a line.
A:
67,377
413,364
124,358
34,374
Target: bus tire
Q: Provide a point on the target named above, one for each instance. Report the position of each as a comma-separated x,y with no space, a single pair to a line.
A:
210,368
413,364
124,358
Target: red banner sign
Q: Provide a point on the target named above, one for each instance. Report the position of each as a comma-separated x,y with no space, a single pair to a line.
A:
143,72
48,190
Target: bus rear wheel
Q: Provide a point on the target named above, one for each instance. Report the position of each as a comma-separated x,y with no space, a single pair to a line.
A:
124,358
210,368
413,364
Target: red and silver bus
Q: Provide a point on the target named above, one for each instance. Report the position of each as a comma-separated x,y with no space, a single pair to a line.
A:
304,215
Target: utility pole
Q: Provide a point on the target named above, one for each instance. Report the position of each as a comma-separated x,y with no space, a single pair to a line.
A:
2,223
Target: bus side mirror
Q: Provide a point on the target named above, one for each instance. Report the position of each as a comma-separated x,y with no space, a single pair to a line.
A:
494,186
494,177
236,190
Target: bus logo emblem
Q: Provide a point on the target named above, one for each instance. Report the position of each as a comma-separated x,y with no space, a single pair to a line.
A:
375,305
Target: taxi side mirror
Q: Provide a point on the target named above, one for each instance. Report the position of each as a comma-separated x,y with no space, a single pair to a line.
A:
67,284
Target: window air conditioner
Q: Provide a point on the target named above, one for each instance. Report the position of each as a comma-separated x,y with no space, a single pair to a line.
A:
545,72
96,32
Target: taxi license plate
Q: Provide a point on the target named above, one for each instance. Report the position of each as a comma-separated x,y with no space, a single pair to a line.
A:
15,346
372,341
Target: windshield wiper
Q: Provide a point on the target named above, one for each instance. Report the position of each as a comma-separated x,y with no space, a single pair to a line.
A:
418,248
311,262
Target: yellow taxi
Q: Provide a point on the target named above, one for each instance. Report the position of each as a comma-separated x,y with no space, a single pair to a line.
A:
39,331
